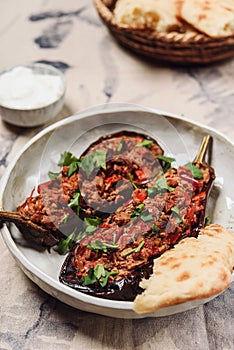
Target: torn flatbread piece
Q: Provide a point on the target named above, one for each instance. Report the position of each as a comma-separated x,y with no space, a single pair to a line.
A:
212,17
157,15
196,268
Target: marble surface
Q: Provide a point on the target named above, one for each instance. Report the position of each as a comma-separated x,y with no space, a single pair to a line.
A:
69,35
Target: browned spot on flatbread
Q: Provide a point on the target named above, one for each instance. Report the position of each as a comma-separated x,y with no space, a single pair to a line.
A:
183,276
205,8
202,17
223,275
209,261
200,284
168,261
228,8
175,266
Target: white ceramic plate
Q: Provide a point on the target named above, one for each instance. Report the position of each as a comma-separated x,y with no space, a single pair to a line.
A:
178,136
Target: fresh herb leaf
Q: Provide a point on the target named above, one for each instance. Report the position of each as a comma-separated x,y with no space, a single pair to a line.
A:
175,210
90,224
145,143
65,218
197,173
166,159
75,202
99,271
92,221
98,245
120,146
104,279
134,250
146,216
90,278
159,187
65,244
73,167
95,160
137,211
66,159
131,180
167,162
155,228
52,176
98,274
137,249
176,213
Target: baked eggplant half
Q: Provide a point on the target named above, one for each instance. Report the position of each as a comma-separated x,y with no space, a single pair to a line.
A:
110,262
96,184
40,218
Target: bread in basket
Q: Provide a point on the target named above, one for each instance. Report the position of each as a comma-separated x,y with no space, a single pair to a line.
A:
182,43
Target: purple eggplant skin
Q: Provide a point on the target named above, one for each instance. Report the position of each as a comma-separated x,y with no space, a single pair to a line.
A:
125,289
37,235
32,232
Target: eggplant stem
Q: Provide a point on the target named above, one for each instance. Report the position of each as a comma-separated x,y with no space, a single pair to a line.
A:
200,157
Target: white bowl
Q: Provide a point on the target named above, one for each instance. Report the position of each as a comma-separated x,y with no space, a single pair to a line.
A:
178,136
37,109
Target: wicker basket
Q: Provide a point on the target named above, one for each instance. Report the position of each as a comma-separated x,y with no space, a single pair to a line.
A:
183,48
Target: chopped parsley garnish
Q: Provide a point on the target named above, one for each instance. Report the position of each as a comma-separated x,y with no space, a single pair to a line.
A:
120,146
145,143
167,162
67,158
95,160
155,228
134,250
73,167
91,223
197,173
75,202
88,163
159,187
145,215
92,220
65,218
52,175
65,244
176,213
137,211
98,245
131,180
98,274
140,213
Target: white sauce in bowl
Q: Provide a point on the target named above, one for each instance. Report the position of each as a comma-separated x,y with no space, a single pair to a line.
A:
24,88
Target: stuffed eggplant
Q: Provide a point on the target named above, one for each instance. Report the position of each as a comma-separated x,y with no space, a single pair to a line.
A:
111,262
95,184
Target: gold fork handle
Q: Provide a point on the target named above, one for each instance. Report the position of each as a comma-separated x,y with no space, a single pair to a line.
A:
200,158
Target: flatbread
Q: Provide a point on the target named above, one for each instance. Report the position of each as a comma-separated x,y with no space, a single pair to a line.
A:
196,268
158,15
212,17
